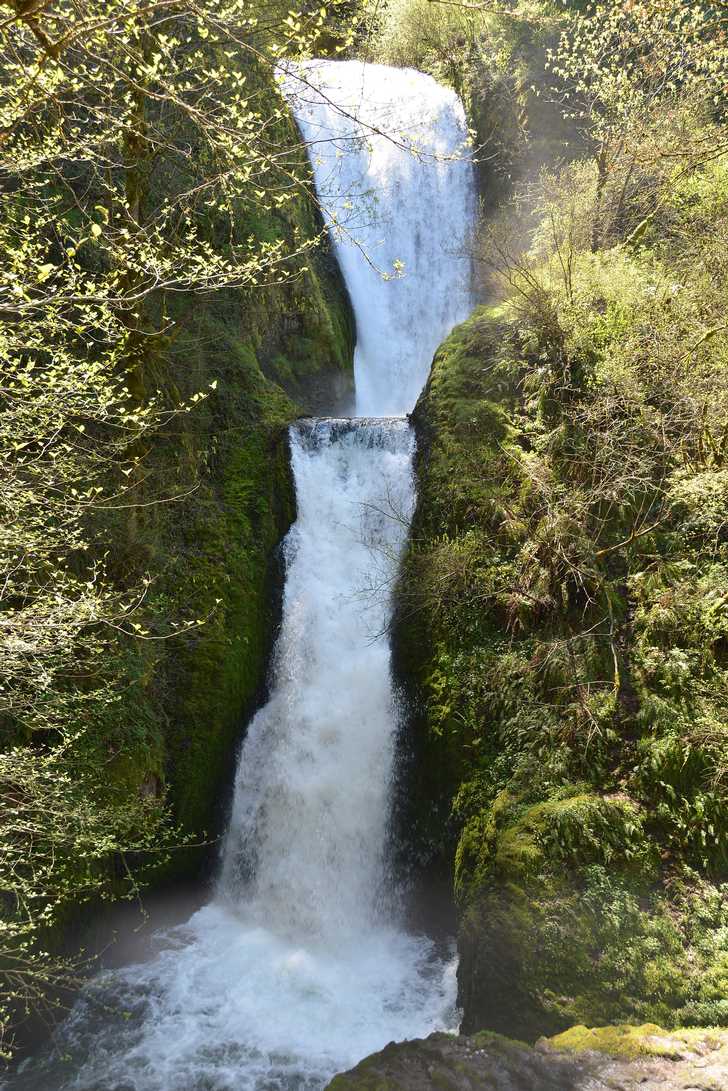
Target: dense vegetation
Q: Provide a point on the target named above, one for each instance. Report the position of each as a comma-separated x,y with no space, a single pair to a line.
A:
168,304
563,616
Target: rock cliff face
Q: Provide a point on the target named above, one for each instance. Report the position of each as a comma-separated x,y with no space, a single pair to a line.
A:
612,1059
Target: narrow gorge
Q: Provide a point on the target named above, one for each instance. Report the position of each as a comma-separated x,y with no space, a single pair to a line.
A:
301,965
364,546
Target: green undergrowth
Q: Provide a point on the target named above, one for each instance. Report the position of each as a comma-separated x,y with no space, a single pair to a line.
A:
563,624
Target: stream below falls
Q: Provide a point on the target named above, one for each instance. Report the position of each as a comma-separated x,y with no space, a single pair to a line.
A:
300,964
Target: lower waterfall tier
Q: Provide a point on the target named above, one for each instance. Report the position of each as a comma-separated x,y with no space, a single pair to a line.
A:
300,965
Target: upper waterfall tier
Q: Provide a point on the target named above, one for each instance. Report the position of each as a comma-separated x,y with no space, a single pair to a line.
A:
389,151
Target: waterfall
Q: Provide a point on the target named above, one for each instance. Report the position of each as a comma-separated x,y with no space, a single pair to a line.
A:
388,150
309,819
300,965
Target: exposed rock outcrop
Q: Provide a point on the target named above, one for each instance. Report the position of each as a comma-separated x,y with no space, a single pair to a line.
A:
607,1059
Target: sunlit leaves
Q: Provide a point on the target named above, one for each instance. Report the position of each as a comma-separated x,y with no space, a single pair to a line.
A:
618,62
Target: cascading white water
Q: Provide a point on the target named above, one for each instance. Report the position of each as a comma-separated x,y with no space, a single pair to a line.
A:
300,966
309,819
389,152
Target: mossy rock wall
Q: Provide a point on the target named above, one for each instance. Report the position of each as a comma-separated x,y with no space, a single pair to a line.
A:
273,357
581,897
219,501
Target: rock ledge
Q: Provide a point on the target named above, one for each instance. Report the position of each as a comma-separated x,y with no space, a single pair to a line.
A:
623,1058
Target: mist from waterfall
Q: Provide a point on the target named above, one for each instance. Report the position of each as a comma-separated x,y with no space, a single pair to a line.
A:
300,964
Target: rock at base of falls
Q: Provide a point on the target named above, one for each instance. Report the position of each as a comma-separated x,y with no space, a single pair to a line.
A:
606,1059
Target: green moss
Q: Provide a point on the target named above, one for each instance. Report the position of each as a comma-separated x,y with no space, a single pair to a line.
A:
272,352
566,683
544,950
216,673
215,554
359,1082
629,1041
582,1057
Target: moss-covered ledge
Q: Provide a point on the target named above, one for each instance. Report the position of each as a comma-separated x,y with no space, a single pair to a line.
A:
620,1058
